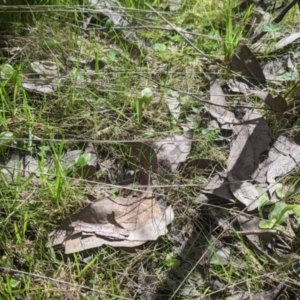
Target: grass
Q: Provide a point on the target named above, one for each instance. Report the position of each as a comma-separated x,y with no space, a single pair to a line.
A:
100,106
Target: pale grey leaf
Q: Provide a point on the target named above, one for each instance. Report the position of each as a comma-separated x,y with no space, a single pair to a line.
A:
173,150
150,231
221,114
245,192
38,88
285,41
284,157
174,106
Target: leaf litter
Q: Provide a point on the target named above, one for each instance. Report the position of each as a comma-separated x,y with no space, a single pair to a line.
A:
119,222
254,165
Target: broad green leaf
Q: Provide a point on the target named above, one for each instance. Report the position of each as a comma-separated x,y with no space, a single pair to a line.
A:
279,212
266,224
296,210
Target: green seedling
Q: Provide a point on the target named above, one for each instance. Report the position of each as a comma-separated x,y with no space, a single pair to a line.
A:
141,102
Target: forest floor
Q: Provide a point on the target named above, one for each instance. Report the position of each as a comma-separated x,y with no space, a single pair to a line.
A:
150,151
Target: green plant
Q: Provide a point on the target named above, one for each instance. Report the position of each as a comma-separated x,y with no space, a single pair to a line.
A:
141,102
233,33
278,214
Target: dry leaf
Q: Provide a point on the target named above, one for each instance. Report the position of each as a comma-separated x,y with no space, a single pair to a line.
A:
277,104
174,106
280,70
219,186
152,229
120,222
46,67
112,233
22,167
285,156
245,62
39,88
130,213
222,115
245,192
252,138
173,150
238,86
285,41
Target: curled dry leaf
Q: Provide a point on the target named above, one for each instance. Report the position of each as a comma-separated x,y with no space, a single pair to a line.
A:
46,67
245,62
39,88
173,150
252,138
221,114
238,86
150,231
125,222
48,79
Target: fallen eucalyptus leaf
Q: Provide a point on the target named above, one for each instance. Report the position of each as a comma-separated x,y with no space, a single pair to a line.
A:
173,150
277,104
245,192
219,186
245,62
38,88
151,230
284,42
45,67
222,115
119,222
284,157
252,139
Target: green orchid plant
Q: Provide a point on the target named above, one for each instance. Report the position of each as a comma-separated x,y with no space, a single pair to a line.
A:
145,98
